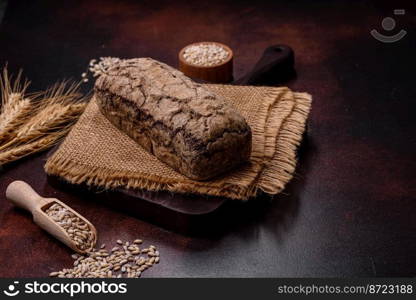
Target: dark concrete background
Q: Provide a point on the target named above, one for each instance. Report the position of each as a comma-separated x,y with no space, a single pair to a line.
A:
3,4
350,210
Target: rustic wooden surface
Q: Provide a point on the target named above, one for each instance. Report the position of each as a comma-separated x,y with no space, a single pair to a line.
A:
351,209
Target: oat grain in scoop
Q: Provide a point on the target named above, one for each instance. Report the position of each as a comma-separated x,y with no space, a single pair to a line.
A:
76,228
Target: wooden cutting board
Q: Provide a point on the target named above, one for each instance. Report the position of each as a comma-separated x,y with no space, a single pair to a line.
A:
188,213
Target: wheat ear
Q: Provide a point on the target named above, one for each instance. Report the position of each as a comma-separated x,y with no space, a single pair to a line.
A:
15,107
44,112
11,88
13,116
51,119
63,93
27,149
31,123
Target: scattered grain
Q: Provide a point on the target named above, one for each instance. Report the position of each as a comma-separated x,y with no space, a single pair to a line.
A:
102,264
99,67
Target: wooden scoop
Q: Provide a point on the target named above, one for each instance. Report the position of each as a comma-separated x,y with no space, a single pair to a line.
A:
22,195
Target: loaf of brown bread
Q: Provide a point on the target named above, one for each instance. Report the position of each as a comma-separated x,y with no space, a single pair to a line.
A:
181,122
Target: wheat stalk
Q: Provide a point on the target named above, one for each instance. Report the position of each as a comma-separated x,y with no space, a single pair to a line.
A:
13,116
9,87
31,123
39,108
48,120
63,92
14,106
27,149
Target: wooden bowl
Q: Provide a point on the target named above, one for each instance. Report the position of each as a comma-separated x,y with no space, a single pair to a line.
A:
220,73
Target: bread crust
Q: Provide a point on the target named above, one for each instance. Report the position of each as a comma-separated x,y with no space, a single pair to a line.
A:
182,123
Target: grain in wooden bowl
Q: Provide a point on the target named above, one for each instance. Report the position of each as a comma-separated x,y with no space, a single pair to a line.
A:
209,61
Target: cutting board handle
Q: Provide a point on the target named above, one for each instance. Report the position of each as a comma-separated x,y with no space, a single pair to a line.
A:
276,65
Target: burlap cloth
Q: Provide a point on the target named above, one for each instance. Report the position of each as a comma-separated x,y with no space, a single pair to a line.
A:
97,153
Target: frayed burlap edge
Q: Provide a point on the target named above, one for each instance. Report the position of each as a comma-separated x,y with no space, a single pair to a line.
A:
280,170
266,178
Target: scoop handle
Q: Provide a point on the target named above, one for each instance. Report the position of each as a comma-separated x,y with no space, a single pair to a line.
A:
22,195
